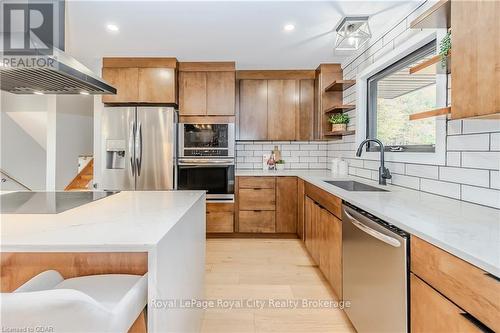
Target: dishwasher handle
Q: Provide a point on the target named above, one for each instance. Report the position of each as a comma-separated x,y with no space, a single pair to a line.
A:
374,233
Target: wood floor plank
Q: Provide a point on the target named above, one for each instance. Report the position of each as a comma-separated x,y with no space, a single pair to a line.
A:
263,269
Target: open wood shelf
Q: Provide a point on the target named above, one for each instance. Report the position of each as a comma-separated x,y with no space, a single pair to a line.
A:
436,60
436,17
431,113
340,85
340,108
339,133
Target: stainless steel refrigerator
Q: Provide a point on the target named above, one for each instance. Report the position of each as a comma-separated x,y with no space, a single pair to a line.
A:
138,148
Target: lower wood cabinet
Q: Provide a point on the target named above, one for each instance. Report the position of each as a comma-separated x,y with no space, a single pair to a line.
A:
432,312
220,217
257,221
267,204
323,240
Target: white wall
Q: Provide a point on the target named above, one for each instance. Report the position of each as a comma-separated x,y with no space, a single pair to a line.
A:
42,137
23,129
74,135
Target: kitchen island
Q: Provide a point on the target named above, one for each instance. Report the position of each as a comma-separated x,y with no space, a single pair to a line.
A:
161,232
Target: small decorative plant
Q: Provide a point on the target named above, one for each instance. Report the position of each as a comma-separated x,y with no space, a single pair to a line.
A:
339,121
280,165
444,49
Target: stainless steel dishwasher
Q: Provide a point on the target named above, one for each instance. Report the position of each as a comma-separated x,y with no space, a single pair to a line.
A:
375,272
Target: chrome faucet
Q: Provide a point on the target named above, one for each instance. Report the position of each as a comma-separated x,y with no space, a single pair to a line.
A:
383,172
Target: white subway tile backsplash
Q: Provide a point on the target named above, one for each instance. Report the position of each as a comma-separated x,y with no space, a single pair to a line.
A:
481,160
424,171
475,142
299,153
245,165
495,141
481,125
317,165
308,147
482,196
453,158
253,147
395,167
465,176
310,159
244,153
300,165
495,179
406,181
290,147
442,188
318,153
454,127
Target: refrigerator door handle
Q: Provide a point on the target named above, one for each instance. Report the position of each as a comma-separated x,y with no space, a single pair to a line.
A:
131,147
138,148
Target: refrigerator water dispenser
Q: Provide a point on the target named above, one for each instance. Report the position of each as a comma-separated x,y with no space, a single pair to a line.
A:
115,154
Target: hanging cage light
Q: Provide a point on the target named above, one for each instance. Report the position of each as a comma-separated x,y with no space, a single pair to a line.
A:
352,33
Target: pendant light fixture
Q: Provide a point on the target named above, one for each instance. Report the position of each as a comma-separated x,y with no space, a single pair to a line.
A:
352,33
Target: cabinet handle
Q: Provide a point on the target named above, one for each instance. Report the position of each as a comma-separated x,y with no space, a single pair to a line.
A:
482,327
257,210
257,188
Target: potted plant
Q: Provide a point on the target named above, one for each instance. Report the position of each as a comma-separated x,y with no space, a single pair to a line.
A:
444,49
280,165
339,122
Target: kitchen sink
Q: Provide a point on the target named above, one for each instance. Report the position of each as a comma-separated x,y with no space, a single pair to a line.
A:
351,185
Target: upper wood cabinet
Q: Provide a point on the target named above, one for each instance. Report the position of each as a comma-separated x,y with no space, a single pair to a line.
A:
281,109
475,66
276,105
141,80
253,110
207,89
192,93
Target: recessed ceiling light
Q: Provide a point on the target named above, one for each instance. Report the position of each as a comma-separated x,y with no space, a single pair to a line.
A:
84,92
112,27
289,27
37,92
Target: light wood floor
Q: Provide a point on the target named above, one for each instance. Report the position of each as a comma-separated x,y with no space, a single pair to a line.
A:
241,269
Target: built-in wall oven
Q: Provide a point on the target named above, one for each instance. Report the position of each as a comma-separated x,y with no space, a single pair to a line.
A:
206,159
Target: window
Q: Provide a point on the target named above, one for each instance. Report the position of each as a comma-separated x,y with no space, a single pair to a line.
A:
394,94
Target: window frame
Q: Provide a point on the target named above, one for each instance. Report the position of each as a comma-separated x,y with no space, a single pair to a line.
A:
371,97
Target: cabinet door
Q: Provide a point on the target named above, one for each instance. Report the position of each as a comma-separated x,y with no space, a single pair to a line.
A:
475,64
192,93
157,85
431,312
220,93
300,208
253,110
316,233
281,109
258,199
125,80
305,126
286,204
333,246
308,212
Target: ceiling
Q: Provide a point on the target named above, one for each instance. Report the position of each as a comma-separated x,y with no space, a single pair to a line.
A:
248,32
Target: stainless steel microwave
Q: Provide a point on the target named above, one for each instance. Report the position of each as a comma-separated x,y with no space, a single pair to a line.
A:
206,140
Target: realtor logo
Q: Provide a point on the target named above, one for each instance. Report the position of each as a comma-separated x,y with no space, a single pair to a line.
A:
28,29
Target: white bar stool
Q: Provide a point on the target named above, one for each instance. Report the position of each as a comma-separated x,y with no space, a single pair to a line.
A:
94,303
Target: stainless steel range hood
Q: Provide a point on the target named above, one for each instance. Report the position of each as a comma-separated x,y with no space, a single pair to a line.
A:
56,73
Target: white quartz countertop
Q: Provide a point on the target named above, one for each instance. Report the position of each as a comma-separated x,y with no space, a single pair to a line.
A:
469,231
127,221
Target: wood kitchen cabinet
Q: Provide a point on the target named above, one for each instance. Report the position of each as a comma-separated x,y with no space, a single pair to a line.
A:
141,80
286,204
207,89
253,110
267,204
220,217
432,312
475,63
281,109
323,236
276,106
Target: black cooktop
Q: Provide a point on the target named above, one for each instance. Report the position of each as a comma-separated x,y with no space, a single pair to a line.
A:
46,202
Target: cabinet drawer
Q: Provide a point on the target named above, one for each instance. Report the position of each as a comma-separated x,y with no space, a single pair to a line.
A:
256,182
256,221
431,312
325,199
469,287
257,199
220,222
220,217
